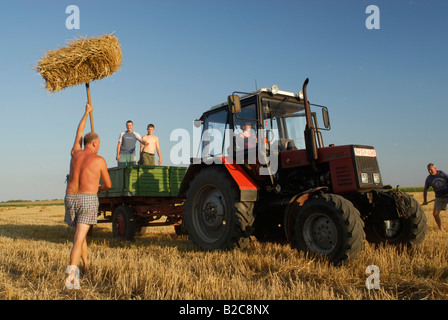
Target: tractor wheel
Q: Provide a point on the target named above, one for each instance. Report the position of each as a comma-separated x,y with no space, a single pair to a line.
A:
329,225
407,231
123,223
214,217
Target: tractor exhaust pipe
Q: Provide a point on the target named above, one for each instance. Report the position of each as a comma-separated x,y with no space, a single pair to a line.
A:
310,134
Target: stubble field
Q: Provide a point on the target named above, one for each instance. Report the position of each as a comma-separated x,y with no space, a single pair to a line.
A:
35,245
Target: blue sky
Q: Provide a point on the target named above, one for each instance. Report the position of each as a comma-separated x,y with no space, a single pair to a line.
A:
387,87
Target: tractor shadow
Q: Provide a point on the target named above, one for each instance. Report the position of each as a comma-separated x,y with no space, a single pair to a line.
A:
163,237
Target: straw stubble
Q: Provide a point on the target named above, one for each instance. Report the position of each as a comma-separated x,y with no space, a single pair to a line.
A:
35,248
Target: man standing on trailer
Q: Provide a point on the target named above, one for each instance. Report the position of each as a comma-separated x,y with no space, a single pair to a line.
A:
147,152
81,200
126,145
439,182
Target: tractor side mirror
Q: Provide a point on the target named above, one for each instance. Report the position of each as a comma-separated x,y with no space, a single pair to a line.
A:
326,118
197,123
234,103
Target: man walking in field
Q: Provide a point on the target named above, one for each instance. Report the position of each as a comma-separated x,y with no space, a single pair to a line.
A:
81,200
439,182
147,152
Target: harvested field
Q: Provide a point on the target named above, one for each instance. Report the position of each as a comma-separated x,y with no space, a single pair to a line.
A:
35,246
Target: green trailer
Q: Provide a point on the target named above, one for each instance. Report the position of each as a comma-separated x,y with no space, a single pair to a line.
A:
141,196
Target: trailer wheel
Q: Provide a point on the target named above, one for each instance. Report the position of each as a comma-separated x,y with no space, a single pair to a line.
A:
214,217
331,226
123,223
408,231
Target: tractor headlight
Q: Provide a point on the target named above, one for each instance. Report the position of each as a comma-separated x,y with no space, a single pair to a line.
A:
376,178
364,178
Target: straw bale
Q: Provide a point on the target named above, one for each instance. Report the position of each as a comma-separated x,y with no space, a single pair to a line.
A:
82,61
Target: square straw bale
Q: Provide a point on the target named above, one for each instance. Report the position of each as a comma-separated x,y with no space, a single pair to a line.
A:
82,61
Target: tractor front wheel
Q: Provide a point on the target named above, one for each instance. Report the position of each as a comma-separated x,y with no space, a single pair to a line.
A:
407,231
329,225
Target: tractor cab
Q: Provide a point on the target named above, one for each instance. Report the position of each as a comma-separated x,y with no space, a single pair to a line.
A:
253,126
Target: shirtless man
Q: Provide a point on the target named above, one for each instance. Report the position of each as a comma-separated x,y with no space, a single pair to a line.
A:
147,151
81,200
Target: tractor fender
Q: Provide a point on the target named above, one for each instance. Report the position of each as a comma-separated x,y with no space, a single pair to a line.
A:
293,206
248,188
189,176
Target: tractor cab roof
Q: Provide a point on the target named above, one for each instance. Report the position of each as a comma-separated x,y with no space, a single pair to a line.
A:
274,91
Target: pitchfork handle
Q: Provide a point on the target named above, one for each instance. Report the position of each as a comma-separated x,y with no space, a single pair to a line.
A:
91,112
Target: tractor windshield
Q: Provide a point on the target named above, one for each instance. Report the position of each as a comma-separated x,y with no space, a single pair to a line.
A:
287,118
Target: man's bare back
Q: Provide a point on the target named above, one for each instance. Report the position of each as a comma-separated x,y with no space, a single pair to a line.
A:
86,168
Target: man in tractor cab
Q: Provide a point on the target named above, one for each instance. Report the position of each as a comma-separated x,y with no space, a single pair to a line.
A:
248,137
439,182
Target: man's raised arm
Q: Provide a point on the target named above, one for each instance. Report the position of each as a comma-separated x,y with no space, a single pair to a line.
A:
79,132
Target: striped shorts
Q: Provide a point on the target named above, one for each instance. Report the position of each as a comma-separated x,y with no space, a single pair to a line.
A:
81,208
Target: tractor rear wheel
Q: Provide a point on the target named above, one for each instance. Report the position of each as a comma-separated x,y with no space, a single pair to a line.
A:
329,225
214,216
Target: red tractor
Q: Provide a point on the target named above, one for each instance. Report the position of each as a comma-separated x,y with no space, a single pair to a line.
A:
264,171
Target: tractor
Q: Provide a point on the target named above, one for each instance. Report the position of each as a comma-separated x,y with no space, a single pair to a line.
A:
264,172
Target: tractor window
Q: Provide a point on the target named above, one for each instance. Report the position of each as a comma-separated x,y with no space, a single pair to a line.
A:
215,135
247,115
287,119
295,127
